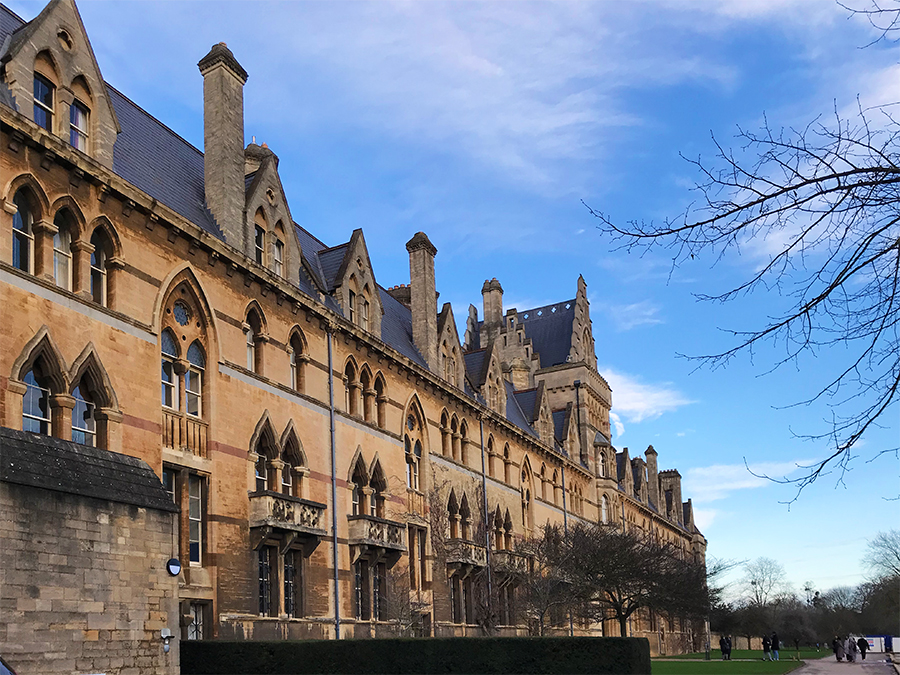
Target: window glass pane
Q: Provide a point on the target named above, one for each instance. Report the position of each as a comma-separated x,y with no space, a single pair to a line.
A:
168,344
78,126
195,627
192,384
36,405
43,102
195,355
195,517
169,392
83,425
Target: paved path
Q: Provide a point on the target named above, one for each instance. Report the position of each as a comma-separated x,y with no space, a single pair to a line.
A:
873,665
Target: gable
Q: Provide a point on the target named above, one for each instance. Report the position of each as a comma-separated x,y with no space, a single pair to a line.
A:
354,278
55,44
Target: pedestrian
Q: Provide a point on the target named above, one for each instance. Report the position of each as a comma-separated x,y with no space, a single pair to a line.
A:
841,651
728,645
767,645
775,646
723,647
835,645
863,647
854,648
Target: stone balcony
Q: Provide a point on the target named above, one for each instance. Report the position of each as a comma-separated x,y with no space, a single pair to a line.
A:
185,433
510,561
462,552
378,532
282,512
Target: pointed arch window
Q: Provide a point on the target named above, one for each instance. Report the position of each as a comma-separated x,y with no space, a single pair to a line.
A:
378,486
23,233
351,389
358,496
445,434
380,401
84,425
413,461
365,382
298,363
193,380
453,515
169,349
259,245
254,341
62,251
293,471
79,116
278,258
604,510
99,258
351,306
44,98
36,405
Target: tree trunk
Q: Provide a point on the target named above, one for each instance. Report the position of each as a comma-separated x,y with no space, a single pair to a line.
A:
623,625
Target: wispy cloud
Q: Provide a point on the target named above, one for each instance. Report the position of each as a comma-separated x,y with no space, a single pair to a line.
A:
626,317
718,481
636,401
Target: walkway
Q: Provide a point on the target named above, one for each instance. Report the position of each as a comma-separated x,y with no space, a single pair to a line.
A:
873,665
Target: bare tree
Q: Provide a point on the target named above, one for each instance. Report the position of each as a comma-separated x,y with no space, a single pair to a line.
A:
882,556
764,579
827,197
545,595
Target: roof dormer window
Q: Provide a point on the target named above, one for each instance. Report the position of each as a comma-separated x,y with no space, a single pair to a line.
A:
78,126
259,245
43,102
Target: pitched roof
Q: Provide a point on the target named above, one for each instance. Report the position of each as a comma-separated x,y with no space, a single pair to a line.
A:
330,260
10,22
396,327
550,330
50,463
475,365
527,399
514,412
559,424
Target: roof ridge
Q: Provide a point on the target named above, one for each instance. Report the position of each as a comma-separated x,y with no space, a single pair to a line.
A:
14,15
332,248
296,224
159,123
547,306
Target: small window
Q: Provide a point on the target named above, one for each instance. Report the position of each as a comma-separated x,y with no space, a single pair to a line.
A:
78,126
364,314
36,404
259,244
193,380
98,267
195,519
43,102
293,584
261,474
169,349
278,267
62,252
196,628
84,427
351,306
23,235
265,581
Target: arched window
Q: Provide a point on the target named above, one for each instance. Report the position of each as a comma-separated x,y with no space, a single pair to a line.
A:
445,434
84,426
193,380
360,483
259,237
266,474
463,442
507,532
556,487
44,102
601,464
298,363
351,388
169,349
364,309
543,482
99,258
278,250
413,460
454,437
465,519
254,341
492,458
23,233
604,509
453,515
365,382
381,401
62,250
80,115
378,486
293,471
36,405
507,464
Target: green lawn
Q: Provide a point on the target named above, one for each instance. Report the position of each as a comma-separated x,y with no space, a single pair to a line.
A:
755,654
723,667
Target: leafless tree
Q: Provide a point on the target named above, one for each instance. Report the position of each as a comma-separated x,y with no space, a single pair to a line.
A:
826,198
545,594
882,556
764,579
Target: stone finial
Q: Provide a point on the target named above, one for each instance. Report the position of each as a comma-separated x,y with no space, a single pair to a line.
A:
420,240
221,54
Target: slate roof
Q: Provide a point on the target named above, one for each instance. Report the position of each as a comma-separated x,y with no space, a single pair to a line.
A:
9,23
330,260
514,412
526,400
559,424
550,330
49,463
475,361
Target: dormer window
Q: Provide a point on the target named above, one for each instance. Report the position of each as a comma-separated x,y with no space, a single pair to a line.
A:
278,262
78,126
43,102
351,306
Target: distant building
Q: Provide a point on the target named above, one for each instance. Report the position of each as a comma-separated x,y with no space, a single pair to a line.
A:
339,458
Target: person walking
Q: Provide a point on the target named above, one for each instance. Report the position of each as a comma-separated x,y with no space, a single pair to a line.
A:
863,647
728,645
767,645
775,646
723,647
835,645
841,652
854,648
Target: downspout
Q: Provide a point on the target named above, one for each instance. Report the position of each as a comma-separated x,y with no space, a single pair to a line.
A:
334,530
578,419
487,530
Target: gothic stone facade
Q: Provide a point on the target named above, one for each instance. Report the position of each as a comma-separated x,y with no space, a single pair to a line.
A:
340,458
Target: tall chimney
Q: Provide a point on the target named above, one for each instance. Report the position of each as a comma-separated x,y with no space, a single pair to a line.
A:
492,295
423,298
652,477
223,141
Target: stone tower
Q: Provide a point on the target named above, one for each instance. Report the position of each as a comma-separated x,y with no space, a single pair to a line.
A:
423,298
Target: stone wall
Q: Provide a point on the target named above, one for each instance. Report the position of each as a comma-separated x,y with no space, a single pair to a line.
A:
83,585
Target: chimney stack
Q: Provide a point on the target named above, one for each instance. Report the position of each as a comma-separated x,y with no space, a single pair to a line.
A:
423,298
223,141
652,477
492,295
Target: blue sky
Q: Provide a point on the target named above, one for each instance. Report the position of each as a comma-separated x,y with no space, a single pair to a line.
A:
486,124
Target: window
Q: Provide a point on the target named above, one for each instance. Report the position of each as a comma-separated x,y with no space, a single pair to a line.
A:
98,267
84,427
507,605
253,333
293,584
460,599
23,235
361,589
62,252
36,404
265,581
195,629
351,306
78,126
193,380
604,510
364,314
278,266
169,350
251,348
298,361
195,519
261,471
379,592
417,563
413,459
259,245
43,102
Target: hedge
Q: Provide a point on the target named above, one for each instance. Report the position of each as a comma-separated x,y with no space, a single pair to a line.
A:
417,655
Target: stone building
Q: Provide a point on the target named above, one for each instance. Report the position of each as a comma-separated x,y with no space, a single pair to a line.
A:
339,457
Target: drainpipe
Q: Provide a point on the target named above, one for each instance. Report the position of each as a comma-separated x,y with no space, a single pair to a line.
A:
578,418
487,530
334,530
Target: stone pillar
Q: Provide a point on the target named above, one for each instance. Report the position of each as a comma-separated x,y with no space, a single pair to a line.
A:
81,268
223,142
61,406
652,477
492,296
44,231
423,298
14,403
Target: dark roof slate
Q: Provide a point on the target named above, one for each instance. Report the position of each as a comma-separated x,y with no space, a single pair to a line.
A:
475,365
514,412
330,260
49,463
550,330
559,424
10,22
526,400
396,328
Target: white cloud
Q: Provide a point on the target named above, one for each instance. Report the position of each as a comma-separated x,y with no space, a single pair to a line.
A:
617,424
636,401
712,483
636,314
703,518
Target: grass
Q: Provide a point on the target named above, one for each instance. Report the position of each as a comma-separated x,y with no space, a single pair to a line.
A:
754,654
724,667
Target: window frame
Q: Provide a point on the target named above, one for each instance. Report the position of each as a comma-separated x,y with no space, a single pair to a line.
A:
62,252
85,410
259,245
44,423
48,110
195,519
278,258
79,134
23,235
